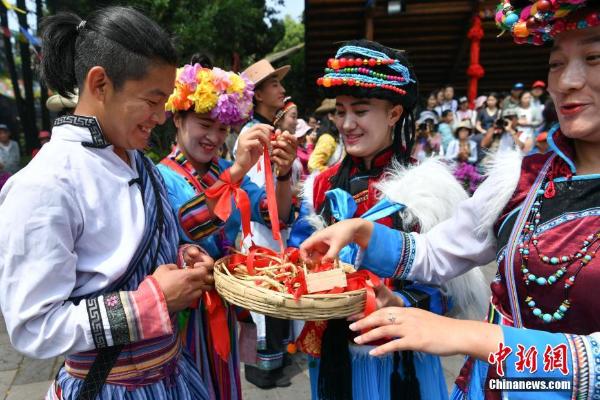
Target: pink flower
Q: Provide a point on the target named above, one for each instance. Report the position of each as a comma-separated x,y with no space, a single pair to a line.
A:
220,79
111,301
188,75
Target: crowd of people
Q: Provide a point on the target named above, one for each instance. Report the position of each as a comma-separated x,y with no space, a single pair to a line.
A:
466,136
108,258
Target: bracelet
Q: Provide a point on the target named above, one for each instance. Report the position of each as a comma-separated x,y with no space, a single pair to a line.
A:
285,177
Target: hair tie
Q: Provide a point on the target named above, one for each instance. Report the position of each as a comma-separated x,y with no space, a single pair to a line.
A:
81,25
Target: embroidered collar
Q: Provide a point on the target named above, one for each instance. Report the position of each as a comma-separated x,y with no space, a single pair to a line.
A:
562,146
95,138
380,161
207,179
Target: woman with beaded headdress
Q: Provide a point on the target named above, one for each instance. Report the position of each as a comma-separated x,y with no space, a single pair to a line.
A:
205,103
375,91
539,217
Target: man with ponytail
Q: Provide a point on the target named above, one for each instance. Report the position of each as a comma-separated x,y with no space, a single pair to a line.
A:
376,92
89,273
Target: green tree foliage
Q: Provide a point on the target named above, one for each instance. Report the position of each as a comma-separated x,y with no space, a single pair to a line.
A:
294,34
223,29
295,82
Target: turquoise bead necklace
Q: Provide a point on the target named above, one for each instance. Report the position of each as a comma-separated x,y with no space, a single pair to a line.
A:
530,242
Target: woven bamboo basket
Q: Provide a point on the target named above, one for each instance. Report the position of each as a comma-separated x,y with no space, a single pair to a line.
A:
312,307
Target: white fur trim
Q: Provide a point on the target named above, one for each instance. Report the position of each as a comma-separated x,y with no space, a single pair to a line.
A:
306,194
504,169
429,191
431,195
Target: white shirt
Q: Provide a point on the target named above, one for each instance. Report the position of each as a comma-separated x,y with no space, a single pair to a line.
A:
70,223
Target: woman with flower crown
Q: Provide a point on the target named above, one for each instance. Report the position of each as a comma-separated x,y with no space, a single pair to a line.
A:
539,217
375,92
205,103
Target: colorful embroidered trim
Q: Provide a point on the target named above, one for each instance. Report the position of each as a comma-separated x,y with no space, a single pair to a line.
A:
407,257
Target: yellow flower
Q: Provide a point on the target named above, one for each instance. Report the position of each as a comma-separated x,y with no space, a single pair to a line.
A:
237,84
204,98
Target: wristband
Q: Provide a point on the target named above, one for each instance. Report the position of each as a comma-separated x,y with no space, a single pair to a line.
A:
285,177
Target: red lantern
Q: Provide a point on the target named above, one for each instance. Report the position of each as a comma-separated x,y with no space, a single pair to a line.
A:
475,70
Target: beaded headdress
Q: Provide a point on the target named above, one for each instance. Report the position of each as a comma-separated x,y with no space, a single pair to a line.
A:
226,95
287,106
368,71
539,21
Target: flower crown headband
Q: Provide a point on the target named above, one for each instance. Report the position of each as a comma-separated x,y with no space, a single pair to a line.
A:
544,19
226,95
359,72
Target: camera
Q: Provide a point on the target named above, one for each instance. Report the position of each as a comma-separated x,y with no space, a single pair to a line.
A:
501,123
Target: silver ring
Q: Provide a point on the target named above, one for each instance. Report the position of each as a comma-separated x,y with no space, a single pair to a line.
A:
391,318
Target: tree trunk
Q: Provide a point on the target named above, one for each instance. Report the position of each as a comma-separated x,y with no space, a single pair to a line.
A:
29,125
43,89
10,62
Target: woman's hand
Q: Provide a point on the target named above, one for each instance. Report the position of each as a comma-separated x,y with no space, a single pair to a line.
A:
420,330
195,257
325,245
249,149
284,151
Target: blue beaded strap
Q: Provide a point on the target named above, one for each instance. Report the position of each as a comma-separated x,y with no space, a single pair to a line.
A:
376,54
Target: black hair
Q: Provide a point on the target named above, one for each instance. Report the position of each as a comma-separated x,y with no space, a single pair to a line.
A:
326,125
202,59
120,39
446,112
523,93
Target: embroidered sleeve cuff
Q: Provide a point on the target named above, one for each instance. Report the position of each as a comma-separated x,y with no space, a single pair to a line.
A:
196,220
390,253
531,354
585,362
128,317
151,308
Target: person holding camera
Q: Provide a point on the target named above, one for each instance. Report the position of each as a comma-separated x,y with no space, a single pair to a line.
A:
504,134
428,141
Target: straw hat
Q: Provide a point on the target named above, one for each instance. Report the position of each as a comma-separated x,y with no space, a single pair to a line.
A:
261,70
57,103
463,125
327,106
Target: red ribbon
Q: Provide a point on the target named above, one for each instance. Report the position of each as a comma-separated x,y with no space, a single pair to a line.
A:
271,199
217,320
223,195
